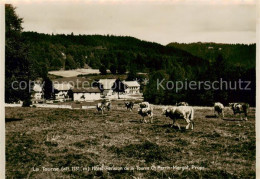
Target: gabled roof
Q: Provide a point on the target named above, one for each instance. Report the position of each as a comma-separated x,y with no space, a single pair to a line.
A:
86,90
131,83
62,86
107,83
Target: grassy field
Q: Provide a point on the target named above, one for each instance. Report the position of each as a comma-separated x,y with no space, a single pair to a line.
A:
75,72
60,139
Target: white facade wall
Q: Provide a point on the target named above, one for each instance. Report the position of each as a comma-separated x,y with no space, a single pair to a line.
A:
86,96
133,90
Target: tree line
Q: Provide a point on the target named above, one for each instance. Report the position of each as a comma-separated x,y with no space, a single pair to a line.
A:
219,71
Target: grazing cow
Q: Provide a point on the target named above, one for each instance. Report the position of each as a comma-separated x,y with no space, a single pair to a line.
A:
180,112
100,107
240,108
219,109
146,110
182,104
129,105
107,105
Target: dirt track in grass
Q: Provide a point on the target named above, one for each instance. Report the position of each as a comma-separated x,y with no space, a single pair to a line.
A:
61,138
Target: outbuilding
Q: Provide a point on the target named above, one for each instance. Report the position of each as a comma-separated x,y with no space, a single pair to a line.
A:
86,94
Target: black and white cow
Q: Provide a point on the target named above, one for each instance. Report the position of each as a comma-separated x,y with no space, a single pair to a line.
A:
219,109
240,108
129,105
180,112
100,107
107,105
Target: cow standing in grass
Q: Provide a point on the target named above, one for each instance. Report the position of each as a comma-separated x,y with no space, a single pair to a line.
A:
104,105
240,108
180,112
145,109
100,107
219,109
107,105
129,105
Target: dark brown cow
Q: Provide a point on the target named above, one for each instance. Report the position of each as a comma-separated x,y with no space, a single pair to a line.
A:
129,105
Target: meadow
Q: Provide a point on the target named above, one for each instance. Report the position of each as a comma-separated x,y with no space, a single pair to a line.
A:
70,143
75,72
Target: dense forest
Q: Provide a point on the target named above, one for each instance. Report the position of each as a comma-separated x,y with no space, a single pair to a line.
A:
33,54
234,54
60,51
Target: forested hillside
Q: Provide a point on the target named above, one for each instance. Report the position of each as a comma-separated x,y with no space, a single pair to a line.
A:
55,52
235,54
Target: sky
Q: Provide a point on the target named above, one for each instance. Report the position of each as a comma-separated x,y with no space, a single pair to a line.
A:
165,21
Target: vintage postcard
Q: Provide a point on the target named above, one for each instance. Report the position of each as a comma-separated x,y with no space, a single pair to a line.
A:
129,89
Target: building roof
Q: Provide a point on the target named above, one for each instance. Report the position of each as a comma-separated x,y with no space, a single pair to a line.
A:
62,86
107,83
86,90
131,83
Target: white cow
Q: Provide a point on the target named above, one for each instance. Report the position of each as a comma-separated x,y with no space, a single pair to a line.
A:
146,110
219,109
180,112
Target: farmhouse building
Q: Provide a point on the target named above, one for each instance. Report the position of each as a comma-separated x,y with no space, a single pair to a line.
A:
62,90
86,94
132,87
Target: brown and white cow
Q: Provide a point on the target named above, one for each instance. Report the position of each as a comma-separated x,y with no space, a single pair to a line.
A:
240,108
104,105
219,109
145,109
180,112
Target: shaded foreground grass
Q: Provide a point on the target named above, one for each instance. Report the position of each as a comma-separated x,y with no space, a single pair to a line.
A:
118,145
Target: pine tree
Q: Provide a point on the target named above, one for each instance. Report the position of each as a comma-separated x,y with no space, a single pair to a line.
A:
118,87
103,70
